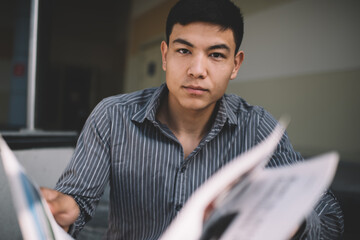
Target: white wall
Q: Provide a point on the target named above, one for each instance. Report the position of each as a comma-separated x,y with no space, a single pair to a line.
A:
301,58
301,37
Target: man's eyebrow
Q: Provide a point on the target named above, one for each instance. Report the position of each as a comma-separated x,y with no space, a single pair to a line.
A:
214,47
183,41
219,46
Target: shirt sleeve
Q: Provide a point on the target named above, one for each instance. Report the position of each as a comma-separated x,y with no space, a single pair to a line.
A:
326,219
87,174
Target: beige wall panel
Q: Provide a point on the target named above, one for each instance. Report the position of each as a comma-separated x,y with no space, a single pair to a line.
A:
149,25
323,108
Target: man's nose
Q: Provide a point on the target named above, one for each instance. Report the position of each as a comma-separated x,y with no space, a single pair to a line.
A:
198,68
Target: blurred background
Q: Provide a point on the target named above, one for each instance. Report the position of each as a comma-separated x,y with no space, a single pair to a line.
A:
301,59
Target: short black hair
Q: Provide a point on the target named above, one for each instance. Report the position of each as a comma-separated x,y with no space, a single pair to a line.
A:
220,12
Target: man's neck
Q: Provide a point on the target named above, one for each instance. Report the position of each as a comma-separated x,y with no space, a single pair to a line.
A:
189,126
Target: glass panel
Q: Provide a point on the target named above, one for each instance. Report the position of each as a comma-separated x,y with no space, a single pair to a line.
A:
81,59
14,28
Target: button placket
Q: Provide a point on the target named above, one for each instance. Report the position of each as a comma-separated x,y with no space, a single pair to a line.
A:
183,169
180,188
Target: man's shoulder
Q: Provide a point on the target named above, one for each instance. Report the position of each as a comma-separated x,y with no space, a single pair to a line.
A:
246,113
240,106
126,102
139,97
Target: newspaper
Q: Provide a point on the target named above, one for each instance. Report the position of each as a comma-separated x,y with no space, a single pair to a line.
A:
244,200
33,213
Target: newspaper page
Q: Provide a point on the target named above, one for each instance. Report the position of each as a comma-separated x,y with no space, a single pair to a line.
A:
33,213
273,202
246,201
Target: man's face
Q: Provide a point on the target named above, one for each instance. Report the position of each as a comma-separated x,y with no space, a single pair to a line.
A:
199,62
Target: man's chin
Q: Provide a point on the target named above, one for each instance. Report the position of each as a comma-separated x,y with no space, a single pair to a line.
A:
198,106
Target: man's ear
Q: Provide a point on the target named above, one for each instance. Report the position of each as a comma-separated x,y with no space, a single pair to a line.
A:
239,58
164,48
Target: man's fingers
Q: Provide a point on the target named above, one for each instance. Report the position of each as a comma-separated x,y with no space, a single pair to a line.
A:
48,194
53,199
62,206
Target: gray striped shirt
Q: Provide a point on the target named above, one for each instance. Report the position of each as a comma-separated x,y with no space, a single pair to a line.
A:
124,145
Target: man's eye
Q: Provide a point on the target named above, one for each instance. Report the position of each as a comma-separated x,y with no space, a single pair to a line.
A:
183,51
217,55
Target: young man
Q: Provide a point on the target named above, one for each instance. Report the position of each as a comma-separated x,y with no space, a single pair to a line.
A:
157,146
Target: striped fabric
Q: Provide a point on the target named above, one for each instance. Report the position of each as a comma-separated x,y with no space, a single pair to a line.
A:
124,145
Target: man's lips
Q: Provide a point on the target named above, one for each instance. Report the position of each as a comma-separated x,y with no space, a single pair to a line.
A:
195,90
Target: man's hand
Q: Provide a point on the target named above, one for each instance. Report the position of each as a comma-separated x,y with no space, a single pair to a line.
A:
62,206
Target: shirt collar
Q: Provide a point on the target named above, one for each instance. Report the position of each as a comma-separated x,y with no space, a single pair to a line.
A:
225,113
148,111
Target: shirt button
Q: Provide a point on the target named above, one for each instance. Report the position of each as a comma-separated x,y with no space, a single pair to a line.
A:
178,207
182,170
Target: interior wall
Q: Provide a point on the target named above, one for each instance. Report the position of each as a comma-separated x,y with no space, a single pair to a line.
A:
147,32
323,109
301,59
301,37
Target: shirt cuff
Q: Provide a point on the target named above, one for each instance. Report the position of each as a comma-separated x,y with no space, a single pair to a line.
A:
309,229
80,222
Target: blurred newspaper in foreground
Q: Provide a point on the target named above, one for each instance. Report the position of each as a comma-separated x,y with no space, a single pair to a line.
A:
33,213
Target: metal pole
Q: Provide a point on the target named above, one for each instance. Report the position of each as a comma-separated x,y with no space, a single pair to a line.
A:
30,123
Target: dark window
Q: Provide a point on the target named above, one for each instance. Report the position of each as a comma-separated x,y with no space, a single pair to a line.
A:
80,60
